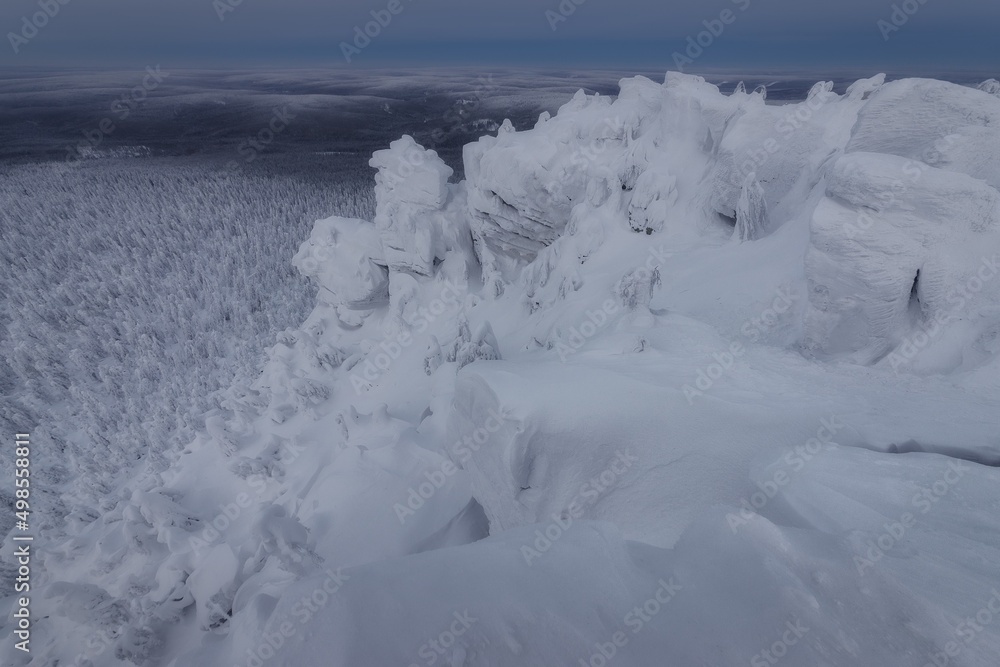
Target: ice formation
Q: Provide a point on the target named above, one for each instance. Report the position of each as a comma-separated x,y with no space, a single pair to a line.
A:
554,414
751,210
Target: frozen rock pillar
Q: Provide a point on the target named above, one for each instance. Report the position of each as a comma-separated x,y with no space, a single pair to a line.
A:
411,187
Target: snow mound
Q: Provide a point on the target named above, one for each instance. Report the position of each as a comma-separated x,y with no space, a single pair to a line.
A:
991,86
578,407
899,248
543,594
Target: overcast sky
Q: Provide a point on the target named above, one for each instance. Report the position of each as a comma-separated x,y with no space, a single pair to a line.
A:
826,34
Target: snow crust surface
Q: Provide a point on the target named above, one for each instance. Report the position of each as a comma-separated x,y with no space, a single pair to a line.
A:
677,377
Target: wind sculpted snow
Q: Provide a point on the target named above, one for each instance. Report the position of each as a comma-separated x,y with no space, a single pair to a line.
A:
674,377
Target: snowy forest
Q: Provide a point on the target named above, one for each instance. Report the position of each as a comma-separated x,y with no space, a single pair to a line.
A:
135,290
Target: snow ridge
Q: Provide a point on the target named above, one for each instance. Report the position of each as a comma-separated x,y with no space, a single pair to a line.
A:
581,404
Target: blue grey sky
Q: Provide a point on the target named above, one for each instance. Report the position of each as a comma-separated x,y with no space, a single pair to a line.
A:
807,34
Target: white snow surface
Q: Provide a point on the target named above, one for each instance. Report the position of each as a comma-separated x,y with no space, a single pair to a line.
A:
674,378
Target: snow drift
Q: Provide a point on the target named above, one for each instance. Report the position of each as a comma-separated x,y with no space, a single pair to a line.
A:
673,378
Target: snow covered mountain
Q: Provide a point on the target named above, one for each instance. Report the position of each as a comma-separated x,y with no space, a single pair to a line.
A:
673,378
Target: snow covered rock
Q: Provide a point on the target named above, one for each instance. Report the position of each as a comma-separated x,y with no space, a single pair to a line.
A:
346,260
523,185
212,586
562,385
900,249
945,125
411,190
653,194
782,146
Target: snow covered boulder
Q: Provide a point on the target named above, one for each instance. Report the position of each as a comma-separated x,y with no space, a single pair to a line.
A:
372,504
411,189
898,250
946,125
524,185
635,157
211,585
345,258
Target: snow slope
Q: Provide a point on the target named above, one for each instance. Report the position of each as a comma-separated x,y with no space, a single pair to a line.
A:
659,383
